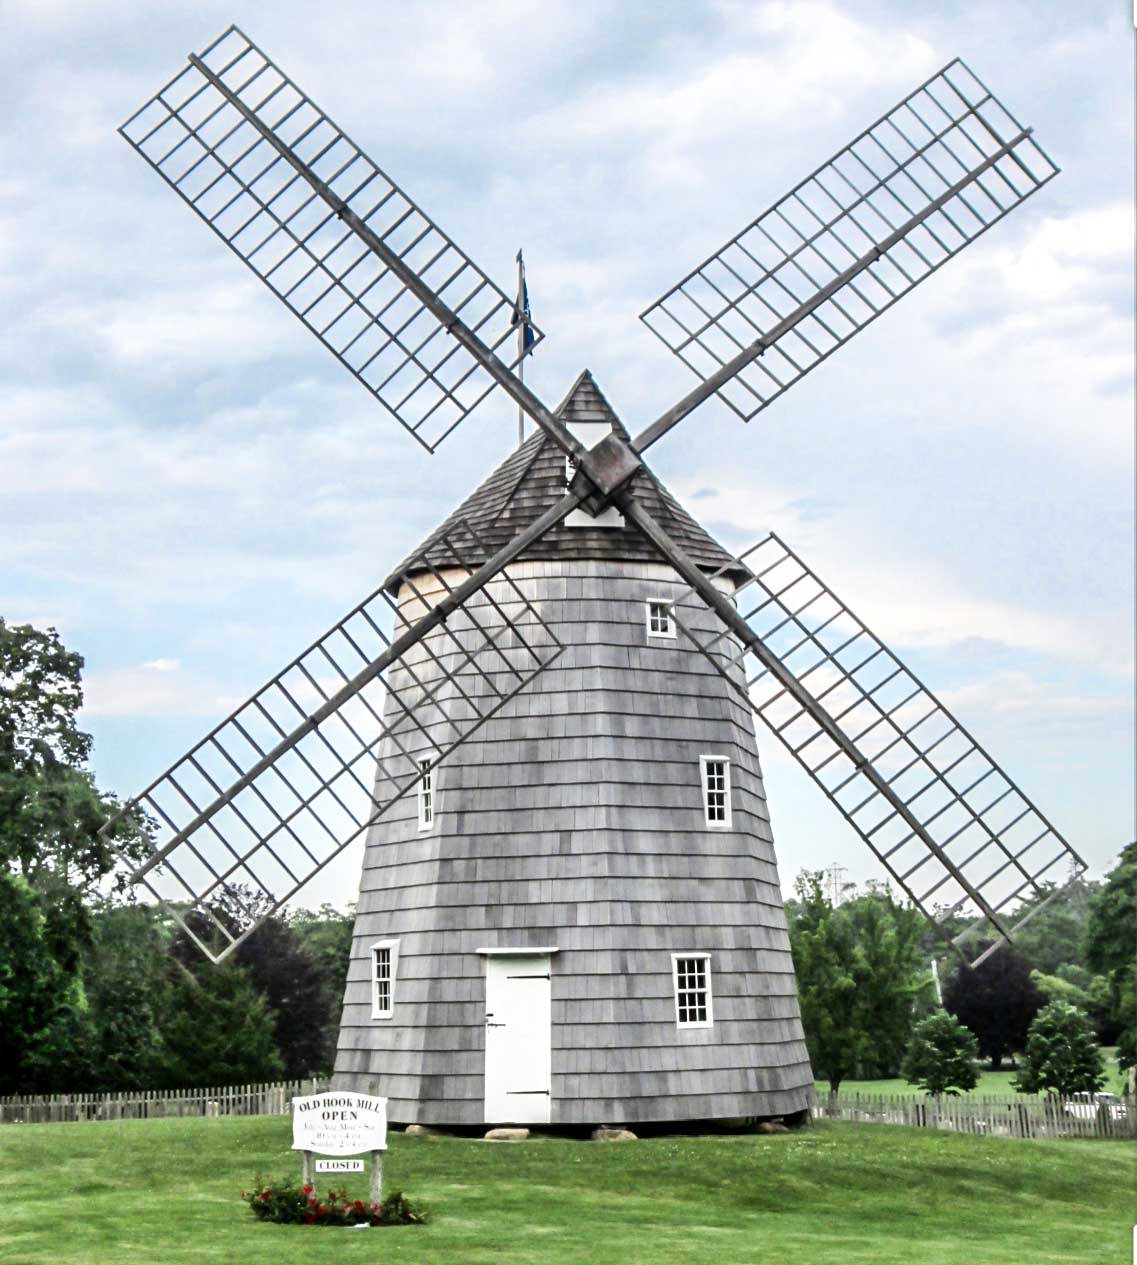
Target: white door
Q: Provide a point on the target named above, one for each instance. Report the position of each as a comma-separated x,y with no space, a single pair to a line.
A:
518,1039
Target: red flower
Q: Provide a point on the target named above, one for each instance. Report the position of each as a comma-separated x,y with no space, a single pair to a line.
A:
307,1190
322,1210
358,1205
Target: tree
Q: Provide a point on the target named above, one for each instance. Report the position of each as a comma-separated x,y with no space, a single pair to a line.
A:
941,1055
127,979
859,975
1055,935
218,1030
1061,1056
823,952
50,809
892,982
51,815
1088,992
326,935
30,982
1110,939
997,1001
279,967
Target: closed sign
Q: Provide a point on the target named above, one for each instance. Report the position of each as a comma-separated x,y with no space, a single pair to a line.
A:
339,1166
339,1123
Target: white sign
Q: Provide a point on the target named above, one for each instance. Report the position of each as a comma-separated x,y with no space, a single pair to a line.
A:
339,1123
339,1166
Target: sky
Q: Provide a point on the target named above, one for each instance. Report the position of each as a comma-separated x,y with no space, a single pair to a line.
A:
192,490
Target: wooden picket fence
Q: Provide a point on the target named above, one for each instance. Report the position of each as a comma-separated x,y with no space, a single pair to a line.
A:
1018,1116
158,1104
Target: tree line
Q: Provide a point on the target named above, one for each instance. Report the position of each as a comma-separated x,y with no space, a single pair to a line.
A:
874,1005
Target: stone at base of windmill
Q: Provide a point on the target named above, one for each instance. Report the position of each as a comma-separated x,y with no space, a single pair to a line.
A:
507,1135
422,1131
607,1134
770,1126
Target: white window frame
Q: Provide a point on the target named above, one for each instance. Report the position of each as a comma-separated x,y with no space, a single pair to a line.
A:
669,619
704,773
427,796
705,958
392,948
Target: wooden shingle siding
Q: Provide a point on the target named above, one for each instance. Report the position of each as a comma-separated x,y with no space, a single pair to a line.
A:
575,818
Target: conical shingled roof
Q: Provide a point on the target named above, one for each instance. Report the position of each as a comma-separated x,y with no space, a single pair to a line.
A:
532,479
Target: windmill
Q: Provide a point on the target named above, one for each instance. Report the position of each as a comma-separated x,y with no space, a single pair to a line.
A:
540,725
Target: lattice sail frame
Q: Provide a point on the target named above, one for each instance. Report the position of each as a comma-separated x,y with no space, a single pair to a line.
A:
291,817
985,828
902,164
273,220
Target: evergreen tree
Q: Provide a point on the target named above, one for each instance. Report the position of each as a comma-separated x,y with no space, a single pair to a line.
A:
218,1030
941,1055
1061,1056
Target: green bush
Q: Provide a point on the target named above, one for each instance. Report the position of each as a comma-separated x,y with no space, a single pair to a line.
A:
288,1204
1061,1056
941,1055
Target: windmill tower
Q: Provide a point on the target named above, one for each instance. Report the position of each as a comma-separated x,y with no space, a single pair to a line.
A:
570,930
540,724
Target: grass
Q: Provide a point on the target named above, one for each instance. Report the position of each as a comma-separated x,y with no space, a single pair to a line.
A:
167,1191
991,1083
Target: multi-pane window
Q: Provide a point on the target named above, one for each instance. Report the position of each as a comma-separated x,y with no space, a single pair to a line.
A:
425,795
383,959
716,790
659,621
692,990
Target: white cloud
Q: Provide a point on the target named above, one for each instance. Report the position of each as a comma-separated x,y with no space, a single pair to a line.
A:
150,690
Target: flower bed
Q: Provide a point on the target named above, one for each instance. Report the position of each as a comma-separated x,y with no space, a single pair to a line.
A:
288,1204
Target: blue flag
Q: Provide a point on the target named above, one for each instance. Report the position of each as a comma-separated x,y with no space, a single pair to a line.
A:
521,314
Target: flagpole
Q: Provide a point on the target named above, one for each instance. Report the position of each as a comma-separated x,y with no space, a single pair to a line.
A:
520,352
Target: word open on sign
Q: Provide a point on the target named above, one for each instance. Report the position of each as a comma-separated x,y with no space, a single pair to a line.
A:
339,1123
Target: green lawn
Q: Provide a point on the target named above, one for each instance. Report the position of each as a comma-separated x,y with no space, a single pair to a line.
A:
989,1083
155,1192
992,1083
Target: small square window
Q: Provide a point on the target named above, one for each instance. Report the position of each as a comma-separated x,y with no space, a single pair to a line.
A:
692,978
425,795
384,960
716,791
659,620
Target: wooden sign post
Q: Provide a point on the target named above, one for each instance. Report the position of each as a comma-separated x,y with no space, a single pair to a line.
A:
341,1124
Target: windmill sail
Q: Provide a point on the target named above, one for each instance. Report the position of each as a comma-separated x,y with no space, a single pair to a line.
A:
280,788
893,206
945,821
250,153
